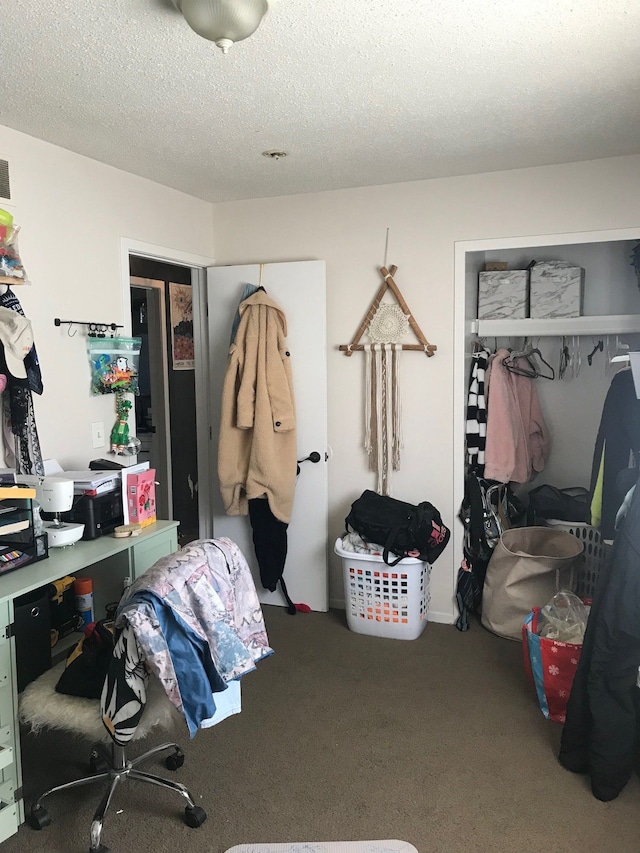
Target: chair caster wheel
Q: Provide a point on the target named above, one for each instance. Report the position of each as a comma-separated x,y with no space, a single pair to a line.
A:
175,760
97,764
194,816
38,818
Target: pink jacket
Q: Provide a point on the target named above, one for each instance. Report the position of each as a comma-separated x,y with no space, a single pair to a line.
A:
517,437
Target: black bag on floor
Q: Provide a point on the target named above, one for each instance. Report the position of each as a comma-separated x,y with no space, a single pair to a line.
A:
571,504
401,528
87,663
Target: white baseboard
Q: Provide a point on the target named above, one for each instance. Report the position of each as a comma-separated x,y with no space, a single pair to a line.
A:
438,616
433,616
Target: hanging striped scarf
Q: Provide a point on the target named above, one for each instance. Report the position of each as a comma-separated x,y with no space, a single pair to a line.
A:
476,424
383,432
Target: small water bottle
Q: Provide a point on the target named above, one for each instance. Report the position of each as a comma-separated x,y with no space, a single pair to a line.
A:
83,588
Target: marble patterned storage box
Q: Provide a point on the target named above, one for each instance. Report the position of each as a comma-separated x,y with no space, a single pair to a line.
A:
503,294
556,290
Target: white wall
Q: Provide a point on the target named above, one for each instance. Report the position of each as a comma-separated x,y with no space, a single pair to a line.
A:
73,213
347,229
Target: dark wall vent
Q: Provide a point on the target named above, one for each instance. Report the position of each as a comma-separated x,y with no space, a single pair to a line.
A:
5,185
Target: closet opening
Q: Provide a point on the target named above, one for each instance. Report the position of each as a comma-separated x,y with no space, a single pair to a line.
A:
574,353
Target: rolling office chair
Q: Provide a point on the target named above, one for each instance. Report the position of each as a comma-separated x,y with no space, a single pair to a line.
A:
42,707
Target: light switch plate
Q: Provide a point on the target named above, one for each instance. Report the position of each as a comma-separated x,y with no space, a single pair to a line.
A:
97,433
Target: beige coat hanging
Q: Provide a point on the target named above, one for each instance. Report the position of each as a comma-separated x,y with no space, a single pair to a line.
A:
257,445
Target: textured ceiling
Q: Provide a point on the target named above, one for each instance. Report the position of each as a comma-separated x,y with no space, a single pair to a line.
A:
360,92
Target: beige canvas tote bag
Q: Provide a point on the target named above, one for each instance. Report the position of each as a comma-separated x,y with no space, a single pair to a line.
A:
527,567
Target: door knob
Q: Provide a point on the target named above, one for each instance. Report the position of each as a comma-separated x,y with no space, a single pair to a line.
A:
314,456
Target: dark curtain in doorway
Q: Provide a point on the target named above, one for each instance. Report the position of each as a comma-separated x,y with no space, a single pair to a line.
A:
182,409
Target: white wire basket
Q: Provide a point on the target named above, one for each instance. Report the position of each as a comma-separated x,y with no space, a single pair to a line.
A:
593,557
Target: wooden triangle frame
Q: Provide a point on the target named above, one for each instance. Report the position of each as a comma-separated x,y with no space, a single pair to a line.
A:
389,284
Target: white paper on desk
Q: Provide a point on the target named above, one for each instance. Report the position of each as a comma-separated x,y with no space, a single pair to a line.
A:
51,467
87,479
131,469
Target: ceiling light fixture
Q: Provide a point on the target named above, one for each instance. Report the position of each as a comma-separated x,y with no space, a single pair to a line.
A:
223,21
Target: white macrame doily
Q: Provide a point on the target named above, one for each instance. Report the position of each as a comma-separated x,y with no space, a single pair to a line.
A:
389,324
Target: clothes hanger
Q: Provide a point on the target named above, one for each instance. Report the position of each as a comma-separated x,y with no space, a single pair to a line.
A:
576,356
536,352
565,360
598,347
511,361
532,371
479,345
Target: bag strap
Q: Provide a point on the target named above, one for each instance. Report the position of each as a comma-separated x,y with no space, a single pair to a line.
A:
573,580
473,496
103,634
291,608
385,553
503,518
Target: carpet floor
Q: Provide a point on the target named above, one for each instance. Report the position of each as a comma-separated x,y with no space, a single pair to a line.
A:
437,741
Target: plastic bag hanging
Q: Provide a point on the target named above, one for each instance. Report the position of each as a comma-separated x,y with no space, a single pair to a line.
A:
11,269
115,364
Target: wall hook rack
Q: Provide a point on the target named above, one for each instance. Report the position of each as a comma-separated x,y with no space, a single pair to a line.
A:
94,330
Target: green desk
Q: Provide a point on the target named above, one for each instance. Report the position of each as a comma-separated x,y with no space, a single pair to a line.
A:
108,561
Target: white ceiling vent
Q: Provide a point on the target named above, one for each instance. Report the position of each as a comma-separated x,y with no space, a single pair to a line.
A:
5,184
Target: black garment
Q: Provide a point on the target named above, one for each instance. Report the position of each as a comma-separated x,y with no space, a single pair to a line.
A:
17,405
269,541
618,435
31,362
270,545
600,729
469,588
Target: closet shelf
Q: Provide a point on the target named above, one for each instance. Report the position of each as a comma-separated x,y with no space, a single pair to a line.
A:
607,324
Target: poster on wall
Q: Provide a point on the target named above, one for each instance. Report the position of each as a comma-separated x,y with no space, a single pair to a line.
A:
181,318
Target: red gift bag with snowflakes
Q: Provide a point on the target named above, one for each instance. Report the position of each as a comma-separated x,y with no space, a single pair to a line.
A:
551,667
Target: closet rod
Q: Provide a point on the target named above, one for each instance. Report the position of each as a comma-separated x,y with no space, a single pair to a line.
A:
606,324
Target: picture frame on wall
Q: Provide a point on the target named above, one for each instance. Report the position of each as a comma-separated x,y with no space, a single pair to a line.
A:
181,320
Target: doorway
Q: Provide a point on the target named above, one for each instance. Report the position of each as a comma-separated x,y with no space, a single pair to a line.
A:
299,289
165,410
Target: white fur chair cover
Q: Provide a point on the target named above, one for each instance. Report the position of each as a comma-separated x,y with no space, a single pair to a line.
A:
41,707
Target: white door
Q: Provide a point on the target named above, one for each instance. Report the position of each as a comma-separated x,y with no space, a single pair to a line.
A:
299,289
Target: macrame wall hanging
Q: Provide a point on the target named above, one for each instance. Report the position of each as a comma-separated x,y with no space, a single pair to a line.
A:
386,324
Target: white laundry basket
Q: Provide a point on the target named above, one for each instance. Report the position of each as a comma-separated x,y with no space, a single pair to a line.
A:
593,557
385,601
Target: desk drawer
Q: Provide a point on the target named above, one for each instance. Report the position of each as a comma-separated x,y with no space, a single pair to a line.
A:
149,551
32,630
6,756
8,811
6,679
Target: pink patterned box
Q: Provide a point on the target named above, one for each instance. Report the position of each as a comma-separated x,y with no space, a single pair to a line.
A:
141,497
